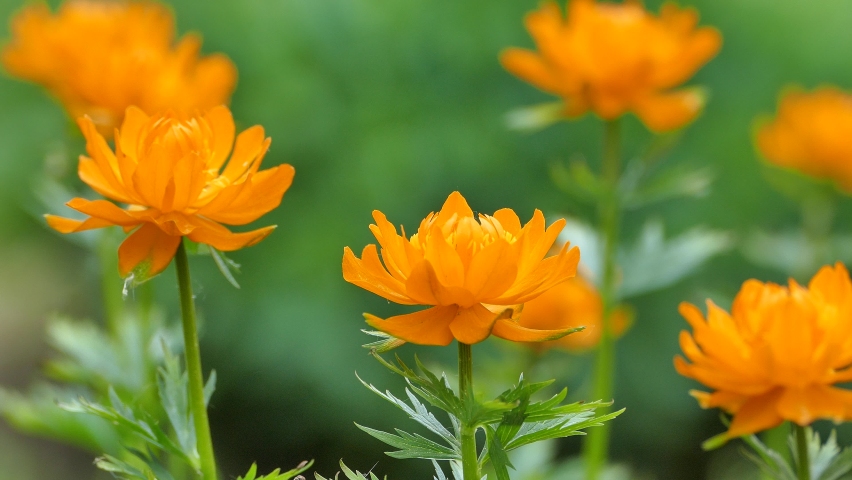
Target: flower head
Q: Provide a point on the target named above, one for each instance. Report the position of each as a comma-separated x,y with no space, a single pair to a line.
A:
812,133
98,58
573,303
169,170
778,355
617,58
465,268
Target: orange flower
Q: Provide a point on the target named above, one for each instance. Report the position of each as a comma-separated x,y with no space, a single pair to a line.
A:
573,303
168,169
812,133
778,355
617,58
462,267
98,58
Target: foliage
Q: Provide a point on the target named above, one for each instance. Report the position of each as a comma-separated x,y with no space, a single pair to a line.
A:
510,421
277,474
350,475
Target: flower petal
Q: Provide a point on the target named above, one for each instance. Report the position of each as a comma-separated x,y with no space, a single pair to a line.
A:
426,327
474,324
757,414
662,112
367,273
221,238
510,330
146,252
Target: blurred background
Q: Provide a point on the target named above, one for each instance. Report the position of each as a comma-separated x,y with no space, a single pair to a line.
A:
392,105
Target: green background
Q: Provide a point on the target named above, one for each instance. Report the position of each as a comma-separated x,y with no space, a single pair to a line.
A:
391,105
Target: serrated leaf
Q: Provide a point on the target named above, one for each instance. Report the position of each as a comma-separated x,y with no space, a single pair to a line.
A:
768,460
385,343
172,386
276,474
350,475
209,387
497,454
412,445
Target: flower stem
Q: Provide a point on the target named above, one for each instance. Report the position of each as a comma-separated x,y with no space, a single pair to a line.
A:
470,459
804,464
110,281
193,367
597,442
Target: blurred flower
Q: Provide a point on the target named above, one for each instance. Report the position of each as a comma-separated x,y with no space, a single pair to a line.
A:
98,58
617,58
464,268
812,133
777,355
572,303
168,169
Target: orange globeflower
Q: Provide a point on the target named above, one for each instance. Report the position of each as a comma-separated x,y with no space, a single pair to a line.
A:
617,58
573,303
466,269
98,58
812,133
778,355
168,170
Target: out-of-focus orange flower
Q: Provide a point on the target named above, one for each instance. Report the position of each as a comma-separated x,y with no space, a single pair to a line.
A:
617,58
812,133
573,303
466,269
778,355
168,170
98,58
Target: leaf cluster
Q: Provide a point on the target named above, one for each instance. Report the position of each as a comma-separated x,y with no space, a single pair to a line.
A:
827,461
510,421
148,442
277,474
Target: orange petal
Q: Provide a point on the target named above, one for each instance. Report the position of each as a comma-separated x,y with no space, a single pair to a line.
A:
474,324
530,67
455,205
805,405
663,112
757,414
260,193
426,327
90,174
67,225
510,330
225,240
249,149
146,252
366,274
104,210
222,123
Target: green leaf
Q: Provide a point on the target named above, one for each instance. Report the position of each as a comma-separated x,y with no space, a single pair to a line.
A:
121,469
436,391
385,343
769,461
714,442
578,181
412,445
277,474
671,183
225,264
563,426
37,413
172,385
497,454
654,262
418,412
535,117
350,475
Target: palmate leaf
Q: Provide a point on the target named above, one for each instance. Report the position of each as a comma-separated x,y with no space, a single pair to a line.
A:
350,475
769,461
276,474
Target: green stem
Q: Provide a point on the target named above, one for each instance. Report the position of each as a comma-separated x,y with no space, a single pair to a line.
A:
470,459
193,367
110,281
597,441
804,464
